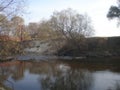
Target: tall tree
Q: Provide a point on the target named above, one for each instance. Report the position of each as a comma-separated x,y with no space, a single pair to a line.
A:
73,27
114,12
17,26
70,23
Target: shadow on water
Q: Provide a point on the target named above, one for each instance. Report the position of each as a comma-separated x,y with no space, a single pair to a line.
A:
59,75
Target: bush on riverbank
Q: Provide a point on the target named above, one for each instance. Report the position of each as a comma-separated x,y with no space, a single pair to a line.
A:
93,47
9,48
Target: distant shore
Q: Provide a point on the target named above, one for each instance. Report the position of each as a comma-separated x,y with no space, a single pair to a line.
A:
82,59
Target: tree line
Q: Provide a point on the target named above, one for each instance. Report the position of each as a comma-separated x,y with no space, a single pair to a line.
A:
67,25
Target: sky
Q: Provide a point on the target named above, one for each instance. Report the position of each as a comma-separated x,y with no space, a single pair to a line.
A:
96,9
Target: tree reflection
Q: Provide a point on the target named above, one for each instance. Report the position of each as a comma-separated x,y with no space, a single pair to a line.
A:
18,73
9,69
116,86
4,73
67,80
54,76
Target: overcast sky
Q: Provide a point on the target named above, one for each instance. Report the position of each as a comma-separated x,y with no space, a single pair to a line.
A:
96,9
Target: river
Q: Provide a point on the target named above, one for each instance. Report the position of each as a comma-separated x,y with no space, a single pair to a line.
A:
59,75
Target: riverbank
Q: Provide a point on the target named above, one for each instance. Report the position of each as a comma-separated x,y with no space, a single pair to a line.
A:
89,47
105,47
38,58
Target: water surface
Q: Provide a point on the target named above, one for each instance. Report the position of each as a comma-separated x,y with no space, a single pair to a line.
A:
59,75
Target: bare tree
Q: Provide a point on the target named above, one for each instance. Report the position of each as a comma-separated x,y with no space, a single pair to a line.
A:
72,25
70,22
18,28
17,24
11,7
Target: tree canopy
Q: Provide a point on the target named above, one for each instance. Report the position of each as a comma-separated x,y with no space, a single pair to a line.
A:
70,23
114,11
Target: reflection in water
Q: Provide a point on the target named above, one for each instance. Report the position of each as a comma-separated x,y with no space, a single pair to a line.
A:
23,75
4,74
67,80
